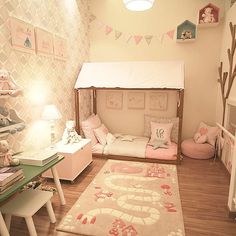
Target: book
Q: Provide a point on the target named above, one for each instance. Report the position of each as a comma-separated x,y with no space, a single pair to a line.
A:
12,182
37,158
7,174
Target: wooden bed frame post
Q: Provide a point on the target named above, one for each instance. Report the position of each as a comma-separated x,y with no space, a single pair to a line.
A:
94,100
180,109
77,126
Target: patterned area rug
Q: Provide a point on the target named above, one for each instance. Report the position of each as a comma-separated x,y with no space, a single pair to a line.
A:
128,199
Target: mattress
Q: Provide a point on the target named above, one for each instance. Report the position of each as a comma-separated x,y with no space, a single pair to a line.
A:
135,148
162,153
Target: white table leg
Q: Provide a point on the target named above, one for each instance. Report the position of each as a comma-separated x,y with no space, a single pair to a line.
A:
58,185
3,227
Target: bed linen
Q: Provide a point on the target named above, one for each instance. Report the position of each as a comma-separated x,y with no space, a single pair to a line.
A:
162,153
135,148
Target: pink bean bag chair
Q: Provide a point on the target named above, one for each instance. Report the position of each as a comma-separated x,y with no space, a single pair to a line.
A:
197,150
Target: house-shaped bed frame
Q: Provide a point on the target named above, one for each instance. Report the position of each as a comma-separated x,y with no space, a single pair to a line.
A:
136,75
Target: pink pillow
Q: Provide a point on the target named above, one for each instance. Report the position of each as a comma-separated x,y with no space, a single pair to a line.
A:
161,132
101,134
89,125
206,133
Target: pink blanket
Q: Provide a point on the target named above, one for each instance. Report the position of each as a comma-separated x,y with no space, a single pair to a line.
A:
162,153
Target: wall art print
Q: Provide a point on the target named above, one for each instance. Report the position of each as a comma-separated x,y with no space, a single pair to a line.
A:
22,35
114,100
136,100
158,101
60,48
44,42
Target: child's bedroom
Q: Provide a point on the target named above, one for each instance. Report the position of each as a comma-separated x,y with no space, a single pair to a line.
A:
118,117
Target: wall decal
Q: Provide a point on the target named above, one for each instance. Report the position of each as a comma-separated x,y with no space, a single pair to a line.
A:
44,42
114,100
22,35
136,100
60,48
158,101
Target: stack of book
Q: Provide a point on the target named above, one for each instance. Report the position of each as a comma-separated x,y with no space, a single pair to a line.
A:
10,176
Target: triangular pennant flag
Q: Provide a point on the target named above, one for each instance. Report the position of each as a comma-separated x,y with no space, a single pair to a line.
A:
108,29
148,38
160,38
171,34
137,39
99,24
117,34
92,18
128,37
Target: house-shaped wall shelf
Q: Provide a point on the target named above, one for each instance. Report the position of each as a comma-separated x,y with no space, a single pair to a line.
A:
186,32
209,16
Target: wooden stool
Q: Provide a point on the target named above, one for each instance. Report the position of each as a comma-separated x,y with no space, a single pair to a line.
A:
26,204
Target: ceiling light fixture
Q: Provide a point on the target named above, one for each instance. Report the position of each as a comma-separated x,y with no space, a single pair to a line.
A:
138,5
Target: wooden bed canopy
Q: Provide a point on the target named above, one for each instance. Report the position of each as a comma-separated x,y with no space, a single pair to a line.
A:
148,75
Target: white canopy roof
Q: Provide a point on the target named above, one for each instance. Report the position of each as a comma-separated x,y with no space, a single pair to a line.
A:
137,74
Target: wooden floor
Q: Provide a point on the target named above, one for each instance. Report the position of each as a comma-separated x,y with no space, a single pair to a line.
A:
203,189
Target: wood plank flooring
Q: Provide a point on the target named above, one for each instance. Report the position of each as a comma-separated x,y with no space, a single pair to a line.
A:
204,187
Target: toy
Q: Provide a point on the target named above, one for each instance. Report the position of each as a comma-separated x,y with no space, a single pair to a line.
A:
8,85
9,117
70,135
186,34
6,155
208,16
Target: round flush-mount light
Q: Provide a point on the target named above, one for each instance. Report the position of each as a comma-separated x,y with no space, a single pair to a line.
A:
138,5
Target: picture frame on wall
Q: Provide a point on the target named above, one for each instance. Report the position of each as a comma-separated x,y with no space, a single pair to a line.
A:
158,101
60,48
22,35
136,100
114,100
44,42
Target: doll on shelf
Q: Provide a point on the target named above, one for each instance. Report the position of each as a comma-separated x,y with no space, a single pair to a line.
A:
7,84
70,135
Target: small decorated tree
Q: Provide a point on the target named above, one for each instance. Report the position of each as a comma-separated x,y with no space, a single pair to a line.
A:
227,78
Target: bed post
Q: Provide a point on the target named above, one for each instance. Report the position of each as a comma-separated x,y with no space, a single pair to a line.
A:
77,126
94,101
180,115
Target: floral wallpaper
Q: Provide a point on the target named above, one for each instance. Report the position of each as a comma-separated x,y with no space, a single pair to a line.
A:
44,79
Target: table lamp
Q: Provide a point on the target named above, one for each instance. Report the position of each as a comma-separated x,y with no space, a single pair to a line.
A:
51,114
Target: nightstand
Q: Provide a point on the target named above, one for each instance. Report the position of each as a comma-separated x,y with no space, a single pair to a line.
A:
77,157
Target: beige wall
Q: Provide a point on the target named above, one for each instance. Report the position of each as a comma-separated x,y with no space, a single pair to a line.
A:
201,57
44,79
226,43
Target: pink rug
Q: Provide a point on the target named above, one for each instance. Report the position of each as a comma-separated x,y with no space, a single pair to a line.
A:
128,199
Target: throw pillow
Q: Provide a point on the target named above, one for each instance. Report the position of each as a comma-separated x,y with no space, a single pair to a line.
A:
206,133
101,134
110,138
89,125
161,132
175,130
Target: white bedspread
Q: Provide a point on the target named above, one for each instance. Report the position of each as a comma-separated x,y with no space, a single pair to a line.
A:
136,148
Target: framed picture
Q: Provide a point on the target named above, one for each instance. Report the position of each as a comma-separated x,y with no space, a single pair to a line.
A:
22,35
158,101
114,100
44,42
136,100
60,51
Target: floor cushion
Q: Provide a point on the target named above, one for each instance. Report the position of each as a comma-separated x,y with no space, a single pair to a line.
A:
197,150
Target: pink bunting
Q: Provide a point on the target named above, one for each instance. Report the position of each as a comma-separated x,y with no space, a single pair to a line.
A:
137,39
108,29
128,37
171,34
148,38
117,34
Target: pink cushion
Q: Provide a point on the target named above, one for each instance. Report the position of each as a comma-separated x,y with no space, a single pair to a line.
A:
101,134
161,131
197,150
89,125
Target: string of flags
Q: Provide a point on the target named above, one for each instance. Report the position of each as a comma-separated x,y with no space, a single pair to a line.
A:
109,30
